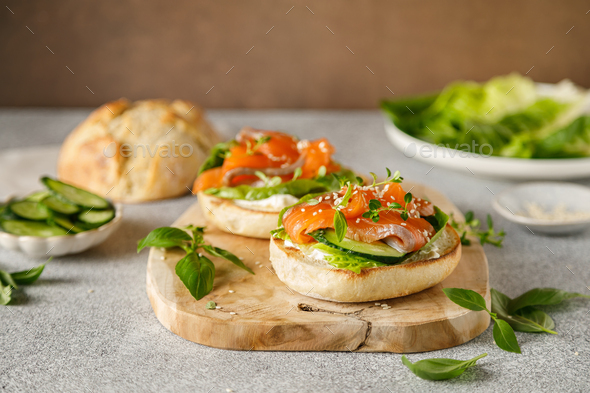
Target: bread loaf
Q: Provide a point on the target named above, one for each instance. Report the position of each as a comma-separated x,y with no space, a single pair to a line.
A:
137,151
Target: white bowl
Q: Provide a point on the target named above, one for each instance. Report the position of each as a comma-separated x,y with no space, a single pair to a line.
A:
487,166
548,195
61,245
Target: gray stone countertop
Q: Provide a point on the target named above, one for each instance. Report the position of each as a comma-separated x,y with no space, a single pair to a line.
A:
87,324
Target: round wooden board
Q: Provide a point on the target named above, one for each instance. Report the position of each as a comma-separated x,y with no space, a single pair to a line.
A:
270,316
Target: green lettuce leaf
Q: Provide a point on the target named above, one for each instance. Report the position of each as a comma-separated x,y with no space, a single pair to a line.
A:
297,188
343,260
505,116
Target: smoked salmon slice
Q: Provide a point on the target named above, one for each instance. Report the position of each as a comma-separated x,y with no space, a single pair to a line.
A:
272,153
405,235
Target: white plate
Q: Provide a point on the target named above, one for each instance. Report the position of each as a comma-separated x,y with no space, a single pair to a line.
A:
482,165
61,245
548,195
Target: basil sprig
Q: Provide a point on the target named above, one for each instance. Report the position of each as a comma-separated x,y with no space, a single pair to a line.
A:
11,281
195,270
439,368
471,300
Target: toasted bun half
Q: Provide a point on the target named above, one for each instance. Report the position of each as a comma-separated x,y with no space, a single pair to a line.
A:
229,217
318,279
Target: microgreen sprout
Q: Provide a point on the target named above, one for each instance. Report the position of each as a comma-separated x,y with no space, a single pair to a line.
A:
395,178
268,181
250,150
375,207
471,228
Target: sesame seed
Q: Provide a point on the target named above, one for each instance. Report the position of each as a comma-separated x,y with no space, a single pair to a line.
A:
302,210
320,210
315,213
403,223
232,313
257,262
377,304
358,220
320,199
218,307
327,197
163,258
575,353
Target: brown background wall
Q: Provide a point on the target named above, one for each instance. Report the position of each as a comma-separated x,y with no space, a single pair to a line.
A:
144,49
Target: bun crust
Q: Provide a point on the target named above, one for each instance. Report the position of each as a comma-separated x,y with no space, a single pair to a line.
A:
320,280
97,155
228,217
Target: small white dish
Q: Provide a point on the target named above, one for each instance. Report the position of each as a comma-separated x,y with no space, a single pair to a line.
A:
61,245
512,205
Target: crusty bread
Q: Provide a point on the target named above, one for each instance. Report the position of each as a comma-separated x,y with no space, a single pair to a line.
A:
152,134
318,279
237,220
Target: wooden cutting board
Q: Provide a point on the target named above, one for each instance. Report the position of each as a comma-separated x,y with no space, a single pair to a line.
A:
258,312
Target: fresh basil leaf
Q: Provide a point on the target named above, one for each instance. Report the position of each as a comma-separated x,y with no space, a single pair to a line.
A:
530,320
466,298
29,276
7,280
504,336
221,253
5,294
197,273
347,261
340,225
541,297
537,318
439,368
164,237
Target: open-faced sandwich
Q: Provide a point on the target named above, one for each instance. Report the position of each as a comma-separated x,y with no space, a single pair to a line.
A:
246,182
363,243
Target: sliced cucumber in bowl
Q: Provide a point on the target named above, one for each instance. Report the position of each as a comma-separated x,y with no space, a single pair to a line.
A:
60,205
30,210
75,195
96,218
65,223
31,228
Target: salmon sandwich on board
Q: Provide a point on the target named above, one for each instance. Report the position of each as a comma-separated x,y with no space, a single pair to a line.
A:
246,182
376,242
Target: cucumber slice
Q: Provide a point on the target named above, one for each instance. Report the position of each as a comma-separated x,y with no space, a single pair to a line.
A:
65,223
30,210
96,218
376,251
38,196
75,195
59,205
31,228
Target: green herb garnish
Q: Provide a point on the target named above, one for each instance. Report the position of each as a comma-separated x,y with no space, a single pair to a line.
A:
395,178
439,368
11,281
211,305
375,207
471,300
195,270
250,150
471,227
